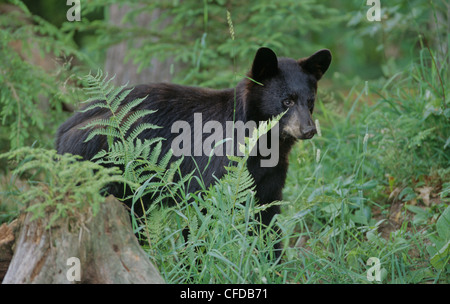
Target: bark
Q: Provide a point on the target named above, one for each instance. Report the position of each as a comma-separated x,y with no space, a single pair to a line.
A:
115,57
107,250
6,243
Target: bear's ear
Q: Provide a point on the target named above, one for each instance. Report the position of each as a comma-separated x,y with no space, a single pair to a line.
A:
317,64
264,65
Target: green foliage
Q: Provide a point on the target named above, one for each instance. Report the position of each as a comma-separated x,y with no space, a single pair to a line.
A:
351,193
226,242
207,214
150,173
198,39
60,185
388,43
378,148
412,121
440,250
117,127
34,78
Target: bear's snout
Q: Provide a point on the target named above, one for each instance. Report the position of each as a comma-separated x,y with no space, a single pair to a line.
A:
308,132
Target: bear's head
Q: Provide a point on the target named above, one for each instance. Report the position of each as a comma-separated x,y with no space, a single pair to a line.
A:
277,85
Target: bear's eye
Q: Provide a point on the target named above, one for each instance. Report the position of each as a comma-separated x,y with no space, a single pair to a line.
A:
289,102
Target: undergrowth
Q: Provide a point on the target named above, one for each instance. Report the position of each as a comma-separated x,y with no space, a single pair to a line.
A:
374,183
335,214
59,185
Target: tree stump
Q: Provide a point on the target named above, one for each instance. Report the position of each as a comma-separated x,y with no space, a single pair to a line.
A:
100,249
6,244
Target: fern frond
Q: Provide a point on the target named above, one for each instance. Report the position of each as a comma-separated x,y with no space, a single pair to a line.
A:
140,128
133,118
95,106
115,98
127,107
151,142
108,132
235,188
99,156
106,87
153,158
165,160
170,173
103,123
152,173
69,184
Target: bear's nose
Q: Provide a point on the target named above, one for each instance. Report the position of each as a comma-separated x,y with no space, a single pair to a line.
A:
308,132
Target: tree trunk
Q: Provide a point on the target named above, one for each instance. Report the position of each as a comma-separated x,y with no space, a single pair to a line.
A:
115,57
100,249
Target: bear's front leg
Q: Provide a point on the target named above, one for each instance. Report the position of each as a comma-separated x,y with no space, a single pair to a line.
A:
268,190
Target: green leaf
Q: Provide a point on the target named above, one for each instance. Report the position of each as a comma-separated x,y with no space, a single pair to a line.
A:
443,224
407,194
368,185
441,258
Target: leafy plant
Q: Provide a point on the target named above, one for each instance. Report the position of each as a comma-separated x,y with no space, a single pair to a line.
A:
151,174
68,185
219,219
350,193
440,250
412,124
226,241
193,36
35,80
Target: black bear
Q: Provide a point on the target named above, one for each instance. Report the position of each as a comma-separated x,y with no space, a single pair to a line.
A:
273,86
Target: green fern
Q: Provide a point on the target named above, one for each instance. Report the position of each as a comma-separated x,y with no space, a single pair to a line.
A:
122,148
223,231
238,178
66,185
141,160
157,177
117,127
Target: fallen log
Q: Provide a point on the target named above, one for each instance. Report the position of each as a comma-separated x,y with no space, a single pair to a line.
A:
94,249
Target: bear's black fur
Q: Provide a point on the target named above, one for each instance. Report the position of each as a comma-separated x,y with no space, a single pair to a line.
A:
273,86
